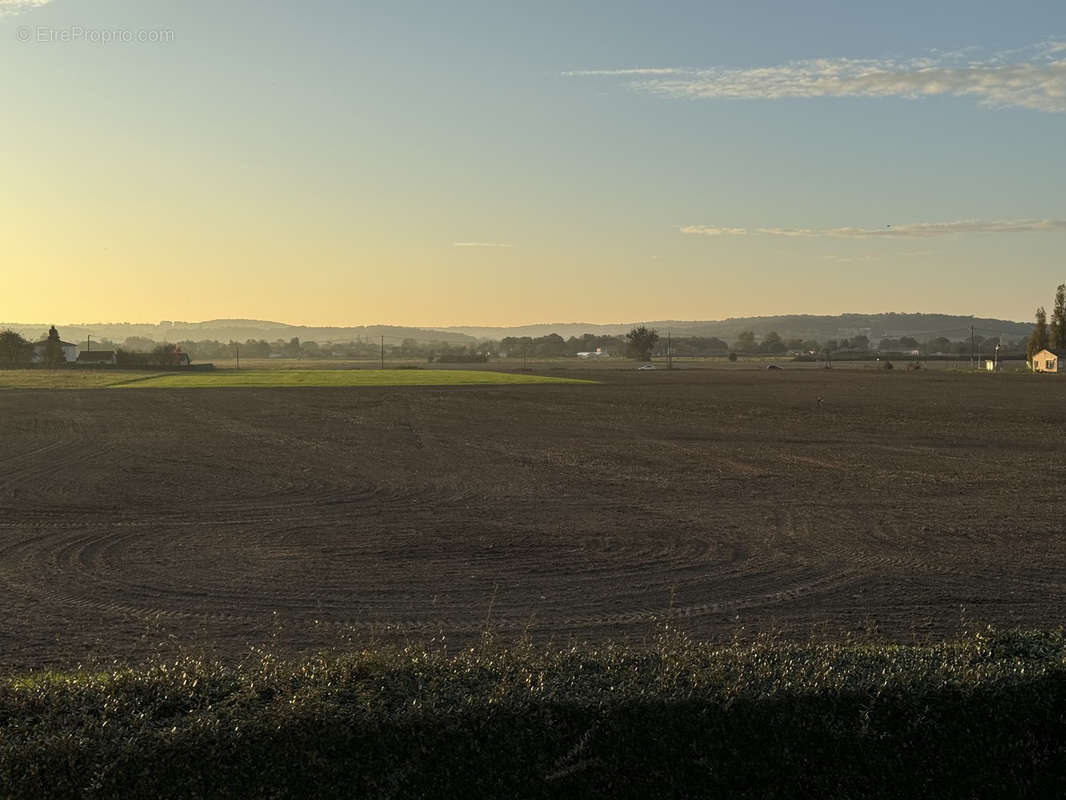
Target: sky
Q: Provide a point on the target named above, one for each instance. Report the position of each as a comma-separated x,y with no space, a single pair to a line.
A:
428,163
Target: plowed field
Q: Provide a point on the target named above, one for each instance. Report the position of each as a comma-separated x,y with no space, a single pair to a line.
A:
794,501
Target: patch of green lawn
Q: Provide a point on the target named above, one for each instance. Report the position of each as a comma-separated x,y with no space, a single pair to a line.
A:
329,377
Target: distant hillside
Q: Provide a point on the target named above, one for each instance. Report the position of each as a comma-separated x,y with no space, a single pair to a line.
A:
239,330
806,326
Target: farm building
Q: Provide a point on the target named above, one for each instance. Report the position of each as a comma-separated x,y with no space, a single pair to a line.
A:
1049,361
98,357
70,351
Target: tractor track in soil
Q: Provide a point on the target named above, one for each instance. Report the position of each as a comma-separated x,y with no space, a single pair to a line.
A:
713,499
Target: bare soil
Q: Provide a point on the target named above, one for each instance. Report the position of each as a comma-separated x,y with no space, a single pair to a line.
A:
806,502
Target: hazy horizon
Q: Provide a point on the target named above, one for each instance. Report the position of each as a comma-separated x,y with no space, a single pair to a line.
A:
526,324
479,165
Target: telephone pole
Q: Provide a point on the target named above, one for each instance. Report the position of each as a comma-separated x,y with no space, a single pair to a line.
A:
383,352
237,353
973,350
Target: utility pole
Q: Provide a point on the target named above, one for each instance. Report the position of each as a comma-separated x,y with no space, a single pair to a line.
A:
88,341
383,352
973,350
237,353
669,352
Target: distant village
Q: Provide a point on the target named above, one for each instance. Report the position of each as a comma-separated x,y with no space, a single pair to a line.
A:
1043,351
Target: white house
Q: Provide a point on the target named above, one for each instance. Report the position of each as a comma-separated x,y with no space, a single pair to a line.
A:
70,351
1049,361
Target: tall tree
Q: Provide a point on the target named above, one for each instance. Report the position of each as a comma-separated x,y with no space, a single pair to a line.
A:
1039,339
772,344
1058,318
53,349
640,342
14,349
166,355
746,342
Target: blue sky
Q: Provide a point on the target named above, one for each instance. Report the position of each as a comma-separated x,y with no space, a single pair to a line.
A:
422,164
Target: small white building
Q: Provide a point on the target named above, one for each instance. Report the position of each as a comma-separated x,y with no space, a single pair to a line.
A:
1049,361
70,351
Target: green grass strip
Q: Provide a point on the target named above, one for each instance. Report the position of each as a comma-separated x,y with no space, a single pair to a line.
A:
263,378
343,378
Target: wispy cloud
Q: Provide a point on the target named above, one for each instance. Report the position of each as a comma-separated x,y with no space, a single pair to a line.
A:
480,244
639,71
916,230
867,257
852,259
1033,77
707,230
11,7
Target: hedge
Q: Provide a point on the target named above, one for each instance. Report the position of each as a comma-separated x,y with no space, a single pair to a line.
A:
979,717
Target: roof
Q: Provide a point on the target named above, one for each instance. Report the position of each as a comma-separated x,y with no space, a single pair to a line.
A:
62,343
96,355
1060,353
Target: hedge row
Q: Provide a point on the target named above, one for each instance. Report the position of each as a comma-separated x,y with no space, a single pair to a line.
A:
981,717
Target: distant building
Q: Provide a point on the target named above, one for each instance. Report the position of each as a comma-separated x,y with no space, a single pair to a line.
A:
1049,361
98,357
599,352
70,351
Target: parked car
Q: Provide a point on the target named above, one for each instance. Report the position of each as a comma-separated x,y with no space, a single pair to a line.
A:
772,366
646,366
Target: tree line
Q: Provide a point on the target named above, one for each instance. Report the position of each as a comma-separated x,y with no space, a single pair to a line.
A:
1053,336
640,343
